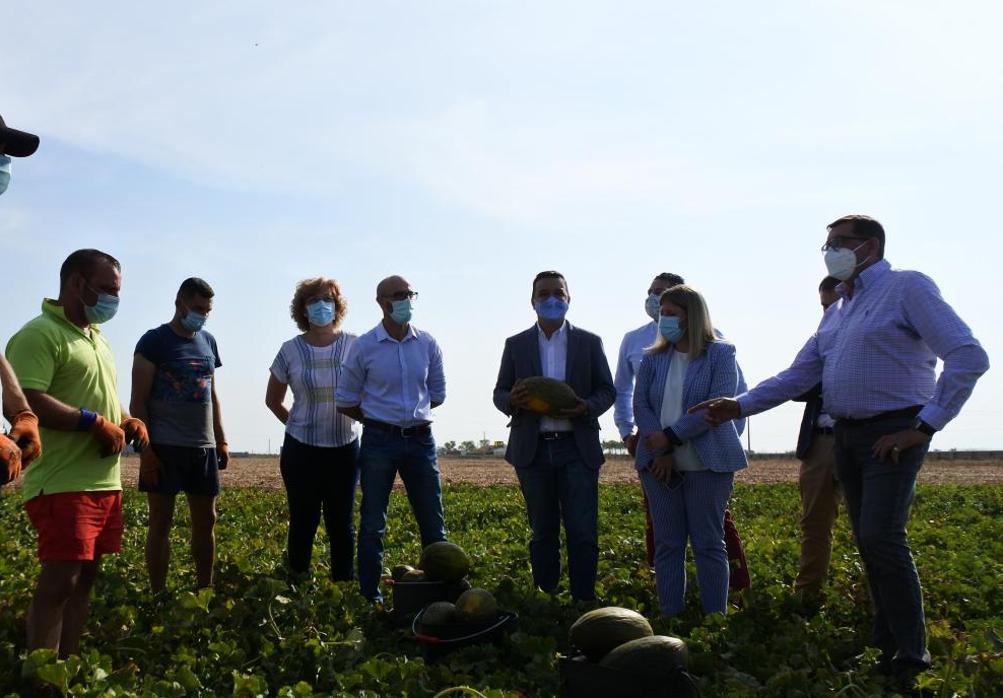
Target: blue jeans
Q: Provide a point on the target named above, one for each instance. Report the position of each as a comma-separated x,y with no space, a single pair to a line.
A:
690,509
878,498
382,456
559,485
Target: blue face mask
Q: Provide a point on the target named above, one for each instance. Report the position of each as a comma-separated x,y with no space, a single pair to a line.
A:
4,173
103,310
401,313
320,313
669,328
652,307
193,321
551,309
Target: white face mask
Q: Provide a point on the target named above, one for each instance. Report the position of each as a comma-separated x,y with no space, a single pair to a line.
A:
842,261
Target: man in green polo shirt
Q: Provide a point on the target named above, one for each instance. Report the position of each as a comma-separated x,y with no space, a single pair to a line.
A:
73,492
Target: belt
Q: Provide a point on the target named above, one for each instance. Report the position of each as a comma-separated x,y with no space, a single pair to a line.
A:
405,432
881,416
823,430
556,435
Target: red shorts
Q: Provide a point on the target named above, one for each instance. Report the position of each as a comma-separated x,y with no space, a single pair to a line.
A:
76,525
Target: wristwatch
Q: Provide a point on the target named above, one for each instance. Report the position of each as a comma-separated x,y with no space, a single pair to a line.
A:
924,428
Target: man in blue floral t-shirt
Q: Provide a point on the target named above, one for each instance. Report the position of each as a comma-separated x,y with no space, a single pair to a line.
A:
174,392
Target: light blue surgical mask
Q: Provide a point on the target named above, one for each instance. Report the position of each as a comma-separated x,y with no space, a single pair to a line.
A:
401,313
552,308
4,172
193,321
103,310
670,328
320,313
652,307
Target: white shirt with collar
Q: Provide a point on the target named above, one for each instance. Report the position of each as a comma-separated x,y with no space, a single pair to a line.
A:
553,363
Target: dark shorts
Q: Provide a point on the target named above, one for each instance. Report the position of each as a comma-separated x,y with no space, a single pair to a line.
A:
185,469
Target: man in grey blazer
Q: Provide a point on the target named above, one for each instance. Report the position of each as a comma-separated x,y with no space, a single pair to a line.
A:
557,458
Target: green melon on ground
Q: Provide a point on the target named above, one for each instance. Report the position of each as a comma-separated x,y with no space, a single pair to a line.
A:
439,613
597,632
444,561
656,657
476,605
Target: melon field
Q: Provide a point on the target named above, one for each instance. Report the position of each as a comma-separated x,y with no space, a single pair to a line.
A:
259,633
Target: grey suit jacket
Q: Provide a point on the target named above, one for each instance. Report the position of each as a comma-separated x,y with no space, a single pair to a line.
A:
588,374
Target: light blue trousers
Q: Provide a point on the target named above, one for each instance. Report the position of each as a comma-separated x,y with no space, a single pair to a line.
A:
691,510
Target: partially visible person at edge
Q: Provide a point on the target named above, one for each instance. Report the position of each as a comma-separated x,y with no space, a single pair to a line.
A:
319,461
174,392
73,492
687,467
557,457
817,481
22,444
391,382
632,350
875,354
19,144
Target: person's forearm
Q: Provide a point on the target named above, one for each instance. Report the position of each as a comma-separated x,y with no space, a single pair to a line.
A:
280,411
53,414
352,411
14,400
217,421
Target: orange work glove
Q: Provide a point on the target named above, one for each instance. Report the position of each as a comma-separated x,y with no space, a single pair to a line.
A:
10,460
24,432
135,432
110,438
149,467
222,455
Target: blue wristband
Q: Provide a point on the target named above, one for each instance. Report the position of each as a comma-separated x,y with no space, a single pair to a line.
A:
87,419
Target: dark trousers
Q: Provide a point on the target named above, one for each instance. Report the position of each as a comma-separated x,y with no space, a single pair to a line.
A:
879,496
557,486
320,479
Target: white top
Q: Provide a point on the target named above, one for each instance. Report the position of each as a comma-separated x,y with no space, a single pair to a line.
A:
685,456
553,362
313,373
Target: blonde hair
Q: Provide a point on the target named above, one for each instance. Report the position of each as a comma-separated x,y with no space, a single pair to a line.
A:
311,287
698,326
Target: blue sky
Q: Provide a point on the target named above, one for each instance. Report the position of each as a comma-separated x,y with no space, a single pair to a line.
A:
469,145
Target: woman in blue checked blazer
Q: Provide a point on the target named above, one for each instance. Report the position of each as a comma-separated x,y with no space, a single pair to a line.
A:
686,466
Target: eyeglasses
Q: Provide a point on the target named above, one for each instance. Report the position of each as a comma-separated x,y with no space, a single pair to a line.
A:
839,242
402,296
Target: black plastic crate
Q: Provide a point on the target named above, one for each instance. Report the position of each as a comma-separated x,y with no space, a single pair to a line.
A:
410,597
436,640
581,678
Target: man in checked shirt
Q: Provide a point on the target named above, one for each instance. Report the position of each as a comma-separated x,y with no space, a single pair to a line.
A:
875,353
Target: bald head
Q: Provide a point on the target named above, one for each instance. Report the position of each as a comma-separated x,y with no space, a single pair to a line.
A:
390,285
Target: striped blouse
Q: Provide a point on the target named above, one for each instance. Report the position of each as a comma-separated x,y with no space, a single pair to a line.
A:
313,373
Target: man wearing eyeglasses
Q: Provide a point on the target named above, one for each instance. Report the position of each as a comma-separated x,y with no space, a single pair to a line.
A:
392,379
875,353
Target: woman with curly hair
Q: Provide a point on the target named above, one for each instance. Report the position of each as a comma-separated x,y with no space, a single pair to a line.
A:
319,461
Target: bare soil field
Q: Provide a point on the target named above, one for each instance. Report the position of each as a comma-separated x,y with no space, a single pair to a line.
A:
263,471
